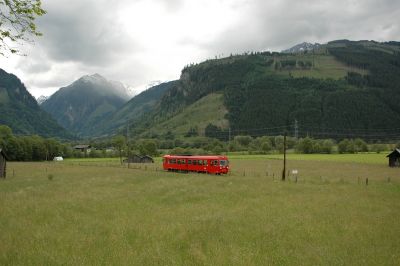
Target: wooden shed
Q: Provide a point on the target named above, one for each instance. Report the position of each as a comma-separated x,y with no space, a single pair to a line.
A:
394,158
3,164
147,159
139,159
83,148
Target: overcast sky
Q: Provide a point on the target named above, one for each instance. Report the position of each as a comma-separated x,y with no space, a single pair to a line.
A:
141,41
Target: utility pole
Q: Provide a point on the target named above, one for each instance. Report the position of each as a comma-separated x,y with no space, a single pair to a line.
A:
127,144
296,129
284,158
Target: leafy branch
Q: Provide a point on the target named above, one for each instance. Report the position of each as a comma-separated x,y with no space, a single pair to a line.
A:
17,23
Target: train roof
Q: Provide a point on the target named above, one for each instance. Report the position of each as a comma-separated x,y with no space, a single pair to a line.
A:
203,157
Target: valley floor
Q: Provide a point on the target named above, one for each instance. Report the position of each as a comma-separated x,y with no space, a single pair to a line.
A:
92,212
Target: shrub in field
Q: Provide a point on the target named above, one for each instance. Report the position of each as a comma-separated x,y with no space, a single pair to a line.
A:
243,140
308,145
360,145
305,145
148,147
346,146
378,148
327,146
266,146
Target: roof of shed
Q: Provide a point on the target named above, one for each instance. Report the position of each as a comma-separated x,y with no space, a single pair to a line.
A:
396,151
82,146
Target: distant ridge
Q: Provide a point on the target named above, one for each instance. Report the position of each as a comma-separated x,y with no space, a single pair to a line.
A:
302,47
20,111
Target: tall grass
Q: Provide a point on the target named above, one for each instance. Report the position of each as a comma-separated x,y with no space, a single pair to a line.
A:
94,214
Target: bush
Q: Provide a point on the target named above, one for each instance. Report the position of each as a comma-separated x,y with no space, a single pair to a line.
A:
243,140
360,145
378,148
305,145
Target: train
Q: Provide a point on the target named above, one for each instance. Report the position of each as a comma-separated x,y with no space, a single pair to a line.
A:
209,164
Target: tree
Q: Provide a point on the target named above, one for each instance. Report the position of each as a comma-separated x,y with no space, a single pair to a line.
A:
243,141
119,143
148,147
305,145
327,146
342,146
17,19
212,131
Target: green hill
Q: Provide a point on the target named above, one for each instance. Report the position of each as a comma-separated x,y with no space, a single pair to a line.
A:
341,89
196,117
20,111
132,111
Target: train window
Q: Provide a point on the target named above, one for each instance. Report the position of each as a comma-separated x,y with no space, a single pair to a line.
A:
194,162
204,162
200,162
215,162
179,161
189,161
172,161
224,162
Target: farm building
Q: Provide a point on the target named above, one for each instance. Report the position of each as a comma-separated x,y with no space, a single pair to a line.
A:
139,159
3,164
394,158
83,148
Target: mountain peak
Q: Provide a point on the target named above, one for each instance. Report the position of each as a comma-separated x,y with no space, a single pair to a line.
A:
95,78
41,99
302,47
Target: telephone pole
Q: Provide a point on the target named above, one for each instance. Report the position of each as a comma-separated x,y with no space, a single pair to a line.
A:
127,144
284,158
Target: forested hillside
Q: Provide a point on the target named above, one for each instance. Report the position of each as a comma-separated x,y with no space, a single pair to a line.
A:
133,110
342,89
20,111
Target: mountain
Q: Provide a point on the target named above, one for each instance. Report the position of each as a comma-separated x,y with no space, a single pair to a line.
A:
343,89
82,105
20,111
41,99
302,47
133,110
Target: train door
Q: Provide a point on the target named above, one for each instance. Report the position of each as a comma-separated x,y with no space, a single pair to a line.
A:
214,166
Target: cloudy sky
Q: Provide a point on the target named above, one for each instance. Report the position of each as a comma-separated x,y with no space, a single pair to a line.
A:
138,42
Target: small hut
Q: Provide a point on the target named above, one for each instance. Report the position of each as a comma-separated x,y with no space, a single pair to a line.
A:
147,159
139,159
3,164
394,158
83,148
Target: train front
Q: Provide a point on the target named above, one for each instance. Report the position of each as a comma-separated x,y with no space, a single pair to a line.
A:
224,165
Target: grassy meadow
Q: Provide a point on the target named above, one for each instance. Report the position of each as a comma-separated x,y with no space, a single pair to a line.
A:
96,212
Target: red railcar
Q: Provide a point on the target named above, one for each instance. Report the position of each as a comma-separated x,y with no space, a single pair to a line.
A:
211,164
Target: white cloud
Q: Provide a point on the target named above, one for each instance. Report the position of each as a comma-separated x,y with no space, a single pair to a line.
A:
137,42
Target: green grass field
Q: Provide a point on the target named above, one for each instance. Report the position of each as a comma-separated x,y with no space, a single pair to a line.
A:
325,66
96,212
